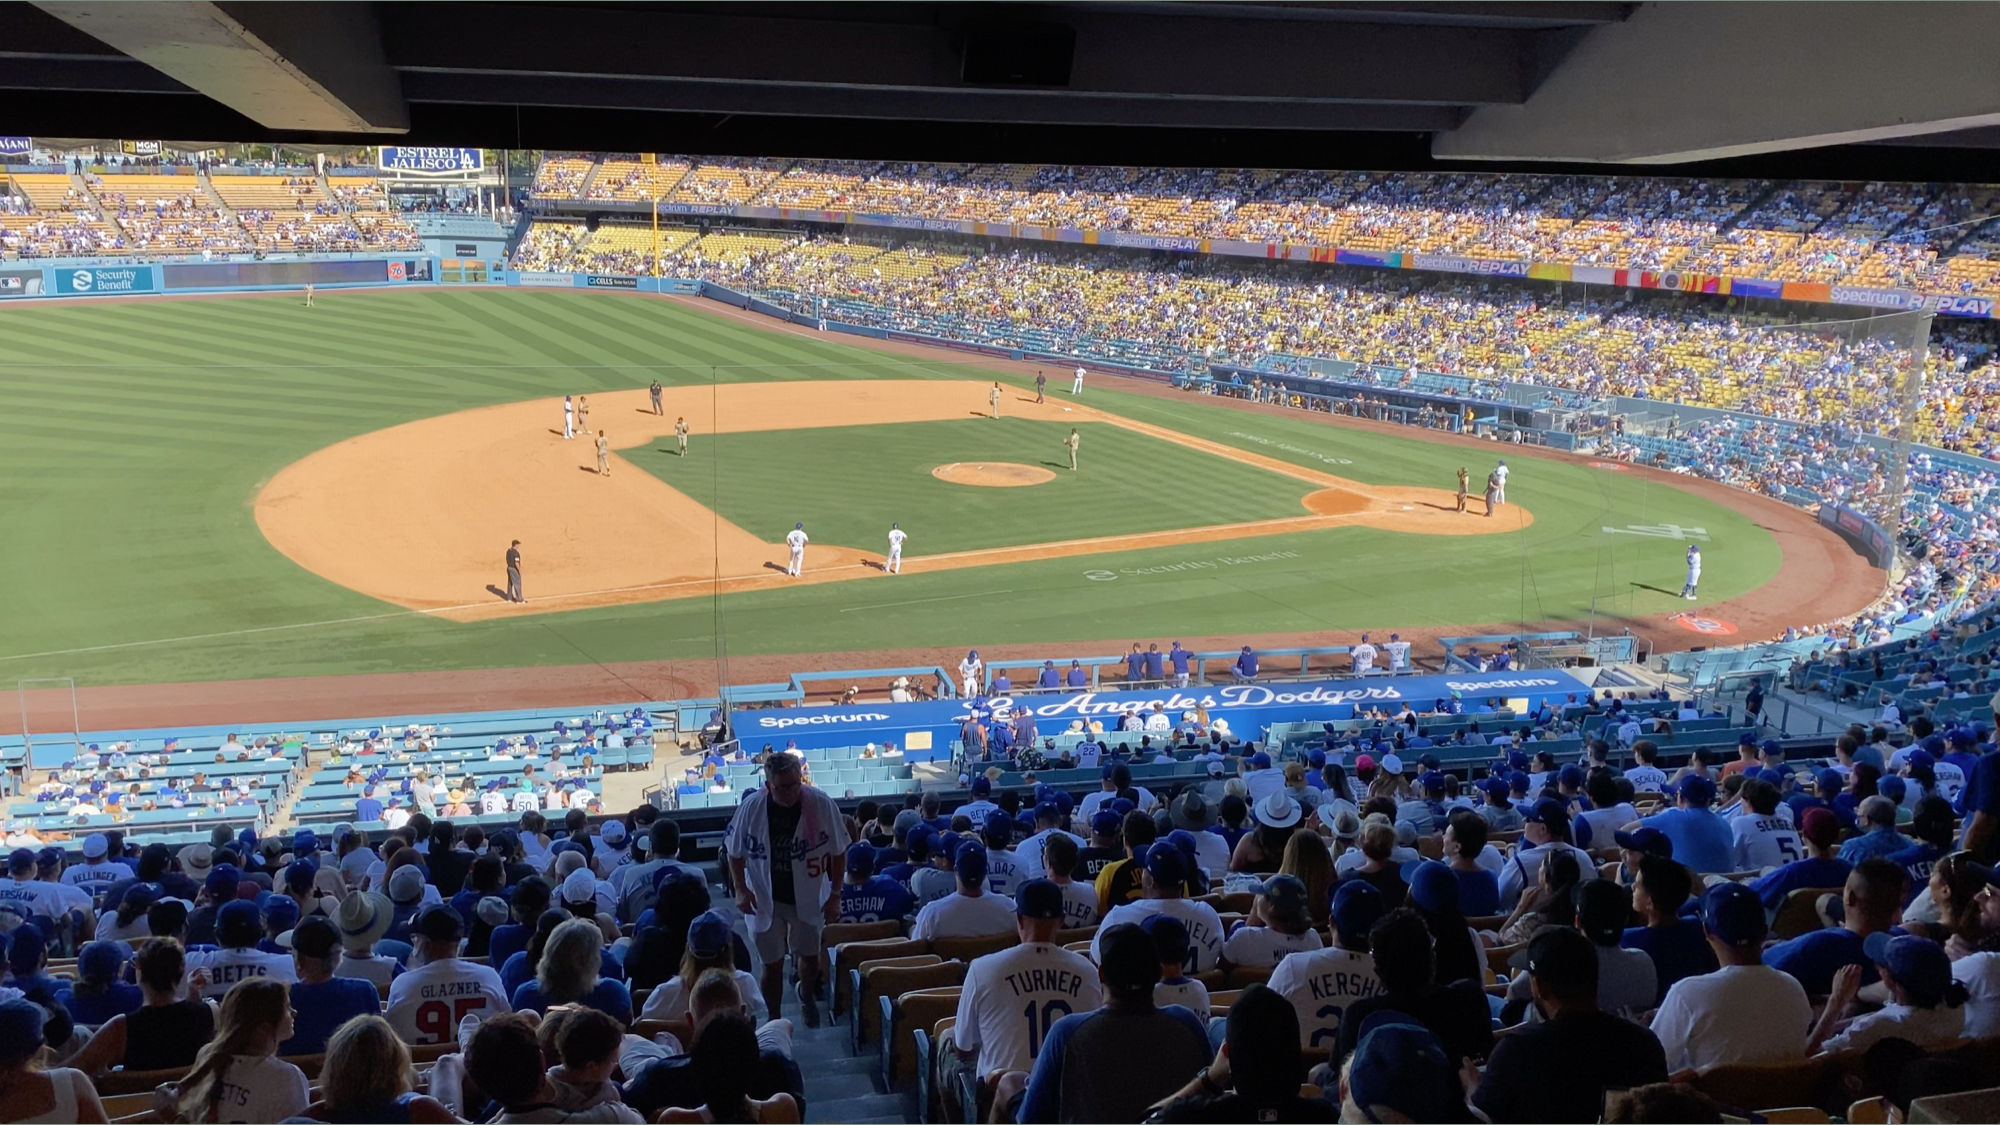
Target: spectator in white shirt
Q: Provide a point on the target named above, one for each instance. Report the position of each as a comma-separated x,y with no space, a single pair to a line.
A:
1926,1006
237,1076
973,911
1744,1012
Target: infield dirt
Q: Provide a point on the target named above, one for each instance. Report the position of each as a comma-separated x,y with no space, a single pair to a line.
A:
420,514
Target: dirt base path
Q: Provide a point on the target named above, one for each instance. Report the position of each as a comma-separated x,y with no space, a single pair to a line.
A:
451,492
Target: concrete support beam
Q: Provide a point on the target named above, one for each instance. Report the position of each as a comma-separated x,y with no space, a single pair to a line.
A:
296,67
1708,79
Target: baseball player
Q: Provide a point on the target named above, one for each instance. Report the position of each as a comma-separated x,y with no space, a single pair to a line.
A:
1071,442
993,399
569,418
309,294
583,414
1463,478
603,455
1500,483
681,435
1492,491
1041,381
796,540
896,537
514,572
1076,388
1694,571
655,390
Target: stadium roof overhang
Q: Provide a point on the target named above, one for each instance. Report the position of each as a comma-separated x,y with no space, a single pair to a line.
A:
1276,83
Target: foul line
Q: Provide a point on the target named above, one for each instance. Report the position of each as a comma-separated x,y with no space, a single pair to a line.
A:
920,601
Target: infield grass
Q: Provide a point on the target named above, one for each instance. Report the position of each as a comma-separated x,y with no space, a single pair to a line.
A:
134,437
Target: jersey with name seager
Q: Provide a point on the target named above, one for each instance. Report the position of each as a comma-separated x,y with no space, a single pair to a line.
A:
1320,985
1011,998
427,1003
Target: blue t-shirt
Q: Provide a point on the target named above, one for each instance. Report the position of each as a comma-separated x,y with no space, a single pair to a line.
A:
1874,843
1678,951
610,997
505,941
318,1010
516,971
1478,892
1813,958
880,898
1044,1100
1809,872
1702,840
90,1011
1917,862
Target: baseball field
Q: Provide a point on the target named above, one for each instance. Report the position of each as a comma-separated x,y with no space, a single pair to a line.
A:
243,488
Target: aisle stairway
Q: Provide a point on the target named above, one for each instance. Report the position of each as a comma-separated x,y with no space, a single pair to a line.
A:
840,1085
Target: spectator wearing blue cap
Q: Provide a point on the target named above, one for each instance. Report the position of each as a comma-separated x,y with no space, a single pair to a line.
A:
1003,864
1278,925
935,880
1870,902
866,896
979,808
1702,840
239,926
1398,1071
1560,1068
1745,1011
20,890
100,992
1546,832
1322,983
1926,1005
27,1091
1164,881
707,949
321,1001
1106,846
972,910
1498,812
1079,897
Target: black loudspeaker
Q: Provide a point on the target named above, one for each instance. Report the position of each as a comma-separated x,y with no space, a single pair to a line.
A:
1004,52
591,221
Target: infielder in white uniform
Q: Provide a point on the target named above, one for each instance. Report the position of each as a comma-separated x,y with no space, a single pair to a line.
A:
1694,571
796,540
896,537
1076,388
569,418
1500,476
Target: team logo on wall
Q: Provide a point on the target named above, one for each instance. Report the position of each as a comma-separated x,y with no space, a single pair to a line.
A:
1607,466
1696,623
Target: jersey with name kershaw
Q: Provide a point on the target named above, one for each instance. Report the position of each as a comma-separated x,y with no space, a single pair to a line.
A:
426,1003
1012,998
1320,985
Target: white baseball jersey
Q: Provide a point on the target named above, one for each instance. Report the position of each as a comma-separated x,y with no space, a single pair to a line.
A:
1399,655
1188,992
1694,563
493,801
426,1003
1029,851
796,540
228,966
1079,905
896,537
1500,474
96,878
1078,385
525,801
1321,985
1257,946
31,897
1364,657
960,915
1004,871
1012,998
1764,841
1204,928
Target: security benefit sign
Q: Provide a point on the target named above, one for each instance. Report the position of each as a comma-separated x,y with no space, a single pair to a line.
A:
104,279
1247,707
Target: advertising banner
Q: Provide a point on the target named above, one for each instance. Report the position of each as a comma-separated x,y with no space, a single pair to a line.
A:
609,281
16,146
105,279
1452,263
429,161
1751,287
1383,258
20,283
1869,535
545,279
1247,707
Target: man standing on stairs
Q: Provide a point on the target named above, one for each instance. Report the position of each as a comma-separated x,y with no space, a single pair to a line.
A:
787,850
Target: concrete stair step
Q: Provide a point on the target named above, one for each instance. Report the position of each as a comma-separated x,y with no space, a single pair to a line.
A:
875,1107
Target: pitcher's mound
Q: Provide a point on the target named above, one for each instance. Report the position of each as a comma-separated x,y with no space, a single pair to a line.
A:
993,474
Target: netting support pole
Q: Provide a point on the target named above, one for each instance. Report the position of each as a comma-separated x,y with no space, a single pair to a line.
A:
58,683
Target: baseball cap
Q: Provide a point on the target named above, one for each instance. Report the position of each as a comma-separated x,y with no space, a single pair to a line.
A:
861,859
998,831
406,885
238,923
1829,778
1392,764
1260,760
1922,758
1400,1066
1891,787
1039,898
1650,841
1552,815
981,787
492,910
305,840
21,859
1570,776
1602,909
1697,790
1357,906
1105,823
1920,965
613,832
315,937
1123,805
708,935
438,923
1497,786
1820,827
223,879
1771,746
1170,937
578,886
1166,864
21,1024
95,845
1432,886
1286,892
280,913
1364,762
1733,913
1432,782
1130,960
100,959
300,874
48,857
971,863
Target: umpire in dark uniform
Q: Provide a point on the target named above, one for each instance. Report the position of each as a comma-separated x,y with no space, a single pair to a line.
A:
514,572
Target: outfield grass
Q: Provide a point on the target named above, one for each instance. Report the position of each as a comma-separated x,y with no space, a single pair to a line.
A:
770,479
134,437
